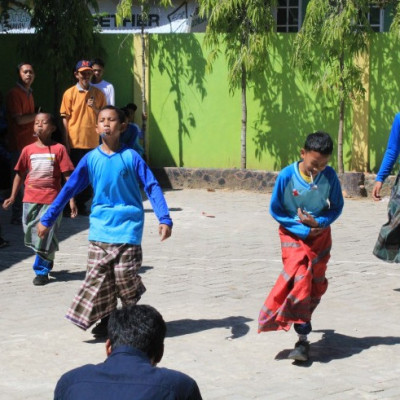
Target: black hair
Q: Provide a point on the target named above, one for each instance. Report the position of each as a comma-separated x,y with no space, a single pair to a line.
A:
24,63
320,142
98,61
138,326
131,106
126,111
120,113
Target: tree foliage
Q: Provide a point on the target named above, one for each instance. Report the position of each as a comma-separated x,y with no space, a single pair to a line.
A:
241,30
64,34
333,34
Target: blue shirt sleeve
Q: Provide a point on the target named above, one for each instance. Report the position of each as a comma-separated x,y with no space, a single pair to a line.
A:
392,150
153,191
78,181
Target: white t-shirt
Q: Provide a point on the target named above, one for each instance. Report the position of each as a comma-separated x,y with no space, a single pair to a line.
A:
108,89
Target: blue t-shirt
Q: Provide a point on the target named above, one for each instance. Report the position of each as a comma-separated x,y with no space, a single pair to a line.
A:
117,214
322,199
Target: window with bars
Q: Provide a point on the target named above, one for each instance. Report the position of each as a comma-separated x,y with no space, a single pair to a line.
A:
376,18
288,16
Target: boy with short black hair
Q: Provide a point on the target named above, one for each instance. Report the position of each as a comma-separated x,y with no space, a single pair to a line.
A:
116,222
306,200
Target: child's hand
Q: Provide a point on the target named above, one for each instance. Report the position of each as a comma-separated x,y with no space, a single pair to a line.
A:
8,202
74,208
41,230
315,232
306,218
164,231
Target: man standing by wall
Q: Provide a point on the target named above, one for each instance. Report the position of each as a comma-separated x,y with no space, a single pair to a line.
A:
97,81
79,108
20,109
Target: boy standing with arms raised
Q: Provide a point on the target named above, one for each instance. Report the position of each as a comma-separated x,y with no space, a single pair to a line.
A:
116,222
306,200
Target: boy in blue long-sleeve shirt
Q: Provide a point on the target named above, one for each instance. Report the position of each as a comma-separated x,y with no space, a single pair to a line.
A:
116,222
306,200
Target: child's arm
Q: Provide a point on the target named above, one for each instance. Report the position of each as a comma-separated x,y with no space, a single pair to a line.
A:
17,183
78,181
277,209
72,204
336,201
155,196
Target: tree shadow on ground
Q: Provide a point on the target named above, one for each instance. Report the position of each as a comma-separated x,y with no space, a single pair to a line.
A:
335,346
237,326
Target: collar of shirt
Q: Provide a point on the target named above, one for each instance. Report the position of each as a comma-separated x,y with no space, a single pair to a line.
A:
81,89
131,351
27,91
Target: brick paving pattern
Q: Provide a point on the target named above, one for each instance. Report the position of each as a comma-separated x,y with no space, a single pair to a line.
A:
209,281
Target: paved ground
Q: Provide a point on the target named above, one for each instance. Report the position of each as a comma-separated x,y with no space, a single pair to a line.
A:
209,281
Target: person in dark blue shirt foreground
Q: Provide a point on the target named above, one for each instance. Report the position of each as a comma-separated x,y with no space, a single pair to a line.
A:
134,346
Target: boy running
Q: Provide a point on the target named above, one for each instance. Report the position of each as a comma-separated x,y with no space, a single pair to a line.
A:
306,200
116,222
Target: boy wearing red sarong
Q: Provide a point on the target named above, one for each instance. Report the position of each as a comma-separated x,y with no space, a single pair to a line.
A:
306,200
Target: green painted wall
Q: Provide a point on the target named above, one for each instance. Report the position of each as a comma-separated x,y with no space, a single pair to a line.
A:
385,94
119,66
195,122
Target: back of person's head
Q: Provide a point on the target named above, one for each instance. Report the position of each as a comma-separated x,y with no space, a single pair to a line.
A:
98,61
131,106
320,142
120,113
138,326
126,111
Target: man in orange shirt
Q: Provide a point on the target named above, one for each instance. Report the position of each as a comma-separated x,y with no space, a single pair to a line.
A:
79,108
20,109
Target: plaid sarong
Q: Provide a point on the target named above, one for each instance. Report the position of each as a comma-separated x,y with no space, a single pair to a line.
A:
301,284
387,246
47,246
111,273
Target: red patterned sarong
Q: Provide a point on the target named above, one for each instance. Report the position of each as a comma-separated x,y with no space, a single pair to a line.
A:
301,284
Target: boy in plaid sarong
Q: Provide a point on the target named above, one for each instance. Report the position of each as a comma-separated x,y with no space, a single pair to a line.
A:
41,166
306,200
116,222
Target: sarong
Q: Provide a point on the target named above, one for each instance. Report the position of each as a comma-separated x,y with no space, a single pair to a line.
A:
112,273
387,246
47,246
301,284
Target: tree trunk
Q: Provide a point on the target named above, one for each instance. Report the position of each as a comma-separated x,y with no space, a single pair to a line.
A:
341,118
244,119
340,138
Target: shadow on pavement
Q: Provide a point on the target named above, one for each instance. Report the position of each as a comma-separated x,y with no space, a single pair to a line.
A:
65,275
334,346
181,327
